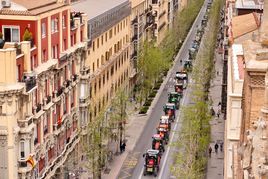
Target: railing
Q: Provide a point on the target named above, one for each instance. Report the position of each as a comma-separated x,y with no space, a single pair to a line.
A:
75,77
48,99
60,91
35,141
134,54
134,21
135,37
38,108
68,83
30,82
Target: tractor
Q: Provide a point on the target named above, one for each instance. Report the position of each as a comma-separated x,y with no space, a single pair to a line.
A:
174,97
165,120
163,132
152,162
182,77
170,110
158,143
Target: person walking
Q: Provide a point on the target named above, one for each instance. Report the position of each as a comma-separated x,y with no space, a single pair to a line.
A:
212,111
216,146
209,151
221,146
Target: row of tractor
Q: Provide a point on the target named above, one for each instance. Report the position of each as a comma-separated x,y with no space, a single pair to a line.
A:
161,137
197,40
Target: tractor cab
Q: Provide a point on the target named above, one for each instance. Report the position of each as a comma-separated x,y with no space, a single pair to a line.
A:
158,143
163,133
187,65
179,88
170,110
192,53
182,77
152,162
165,120
174,97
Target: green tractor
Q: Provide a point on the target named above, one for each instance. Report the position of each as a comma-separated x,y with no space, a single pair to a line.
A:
188,65
174,97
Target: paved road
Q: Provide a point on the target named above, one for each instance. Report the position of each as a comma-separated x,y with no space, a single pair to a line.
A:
133,166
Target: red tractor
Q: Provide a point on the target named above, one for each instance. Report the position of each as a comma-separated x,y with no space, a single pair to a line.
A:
165,120
152,162
158,143
170,110
163,132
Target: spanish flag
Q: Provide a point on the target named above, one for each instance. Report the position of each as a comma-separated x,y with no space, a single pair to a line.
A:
30,160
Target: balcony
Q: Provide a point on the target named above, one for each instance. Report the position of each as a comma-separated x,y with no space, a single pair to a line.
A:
134,21
38,108
48,99
60,91
30,82
135,37
68,83
35,141
134,55
75,77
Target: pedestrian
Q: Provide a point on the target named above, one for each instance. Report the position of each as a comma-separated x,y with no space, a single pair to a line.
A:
216,146
219,104
121,146
209,151
221,146
212,111
124,146
218,113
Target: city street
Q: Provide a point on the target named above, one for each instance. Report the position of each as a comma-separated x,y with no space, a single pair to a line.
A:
144,143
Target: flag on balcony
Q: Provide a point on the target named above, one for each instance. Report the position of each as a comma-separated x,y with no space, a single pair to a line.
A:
30,160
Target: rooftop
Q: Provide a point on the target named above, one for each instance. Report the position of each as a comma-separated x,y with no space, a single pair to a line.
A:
249,4
244,24
94,8
23,7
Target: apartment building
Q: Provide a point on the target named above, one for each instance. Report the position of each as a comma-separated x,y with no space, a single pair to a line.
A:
246,132
40,63
160,13
109,48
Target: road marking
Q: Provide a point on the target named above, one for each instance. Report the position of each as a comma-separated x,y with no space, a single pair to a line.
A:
172,137
171,140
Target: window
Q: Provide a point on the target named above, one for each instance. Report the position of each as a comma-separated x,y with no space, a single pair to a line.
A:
111,33
22,150
106,36
11,33
63,21
54,25
102,40
43,30
98,42
44,55
98,63
93,46
45,122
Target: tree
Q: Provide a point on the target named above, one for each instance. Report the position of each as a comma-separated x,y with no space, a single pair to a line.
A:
190,160
119,115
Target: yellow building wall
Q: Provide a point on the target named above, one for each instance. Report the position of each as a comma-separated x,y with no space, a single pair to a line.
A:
101,46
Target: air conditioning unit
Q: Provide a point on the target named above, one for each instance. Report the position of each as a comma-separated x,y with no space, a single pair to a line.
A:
5,3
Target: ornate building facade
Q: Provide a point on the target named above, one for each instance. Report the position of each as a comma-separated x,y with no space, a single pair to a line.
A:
41,62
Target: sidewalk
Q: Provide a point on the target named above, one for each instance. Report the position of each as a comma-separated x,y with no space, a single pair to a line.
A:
135,125
216,161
